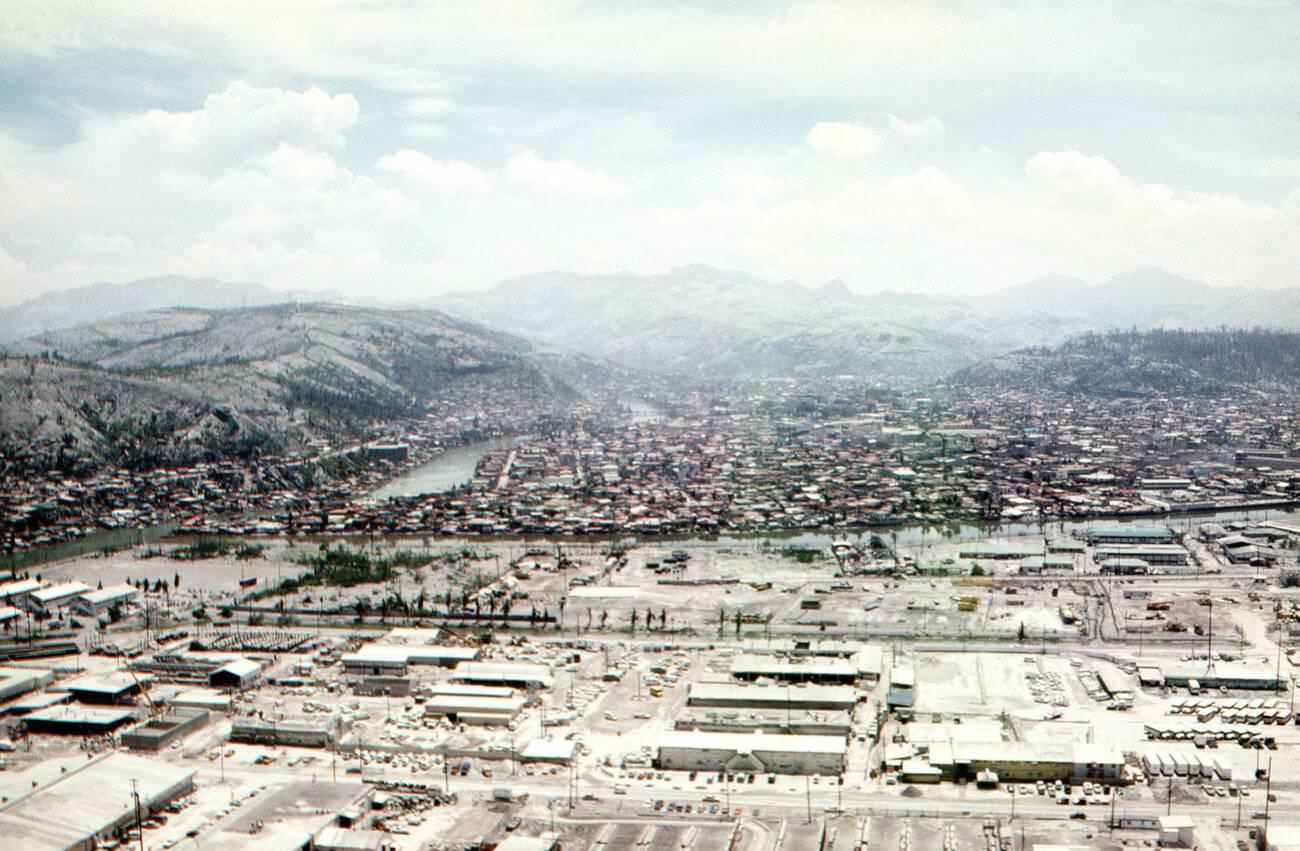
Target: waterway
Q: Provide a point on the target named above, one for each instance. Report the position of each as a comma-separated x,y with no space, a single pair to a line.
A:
448,471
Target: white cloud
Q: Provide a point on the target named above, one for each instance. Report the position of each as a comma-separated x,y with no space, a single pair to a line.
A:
427,107
422,169
929,126
841,139
560,177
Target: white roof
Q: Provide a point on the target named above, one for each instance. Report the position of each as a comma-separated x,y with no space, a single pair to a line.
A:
80,803
240,668
58,592
549,749
22,586
774,693
752,742
504,672
112,592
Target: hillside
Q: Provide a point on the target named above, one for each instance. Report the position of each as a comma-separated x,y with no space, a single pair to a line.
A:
208,383
61,309
1147,363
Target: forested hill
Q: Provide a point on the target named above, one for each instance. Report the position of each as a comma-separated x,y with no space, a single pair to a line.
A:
178,385
1137,363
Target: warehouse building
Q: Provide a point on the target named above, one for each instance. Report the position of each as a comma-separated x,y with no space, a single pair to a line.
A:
813,669
751,753
17,593
49,601
394,659
157,734
1164,554
1071,762
376,661
20,681
794,722
520,675
237,674
1231,675
73,720
1105,535
474,709
295,732
791,697
96,603
380,686
8,614
78,809
802,646
113,689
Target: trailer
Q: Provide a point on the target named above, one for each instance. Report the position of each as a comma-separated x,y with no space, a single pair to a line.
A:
1222,769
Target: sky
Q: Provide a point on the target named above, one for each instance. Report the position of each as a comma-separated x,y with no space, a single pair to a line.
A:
392,150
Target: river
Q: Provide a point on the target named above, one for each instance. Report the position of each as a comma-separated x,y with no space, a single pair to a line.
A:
449,470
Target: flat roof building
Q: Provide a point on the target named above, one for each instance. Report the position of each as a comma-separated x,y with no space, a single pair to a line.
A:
752,753
91,802
811,669
93,603
772,696
1098,535
56,597
517,675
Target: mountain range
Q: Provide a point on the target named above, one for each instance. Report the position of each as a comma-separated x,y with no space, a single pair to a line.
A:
701,321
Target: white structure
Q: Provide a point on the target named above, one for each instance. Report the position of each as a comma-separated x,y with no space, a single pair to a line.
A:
50,600
518,675
752,753
87,803
95,603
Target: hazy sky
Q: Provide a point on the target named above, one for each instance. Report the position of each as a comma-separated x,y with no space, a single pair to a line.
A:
398,149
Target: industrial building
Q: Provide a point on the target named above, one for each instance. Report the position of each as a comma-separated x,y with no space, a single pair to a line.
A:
795,722
95,603
237,674
19,681
802,646
48,601
515,675
295,732
376,661
394,659
484,709
158,733
812,669
106,689
788,697
91,802
380,686
1023,761
751,753
1164,554
1105,535
1231,675
73,720
16,593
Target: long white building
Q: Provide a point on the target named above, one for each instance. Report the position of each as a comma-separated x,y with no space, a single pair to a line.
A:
752,753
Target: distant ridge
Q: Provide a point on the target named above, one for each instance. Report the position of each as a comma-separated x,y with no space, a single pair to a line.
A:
705,322
61,309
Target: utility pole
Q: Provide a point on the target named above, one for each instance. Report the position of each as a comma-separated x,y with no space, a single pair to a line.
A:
139,830
1268,792
807,784
1169,806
